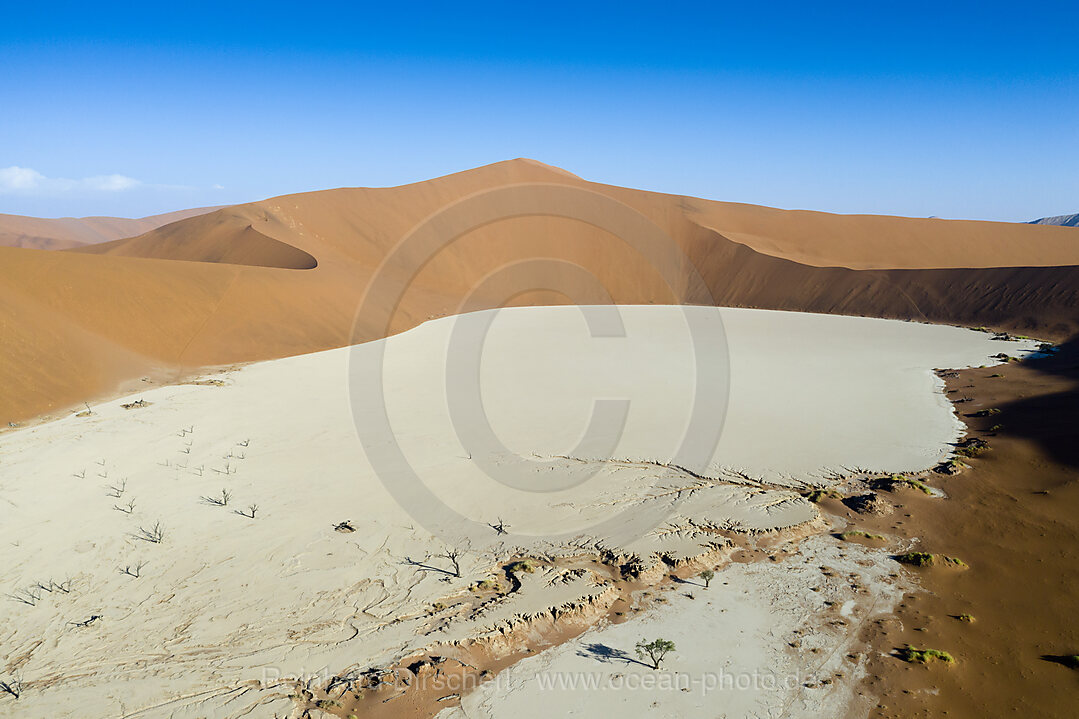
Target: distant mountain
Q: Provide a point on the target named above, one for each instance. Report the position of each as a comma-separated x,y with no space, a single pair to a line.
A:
1062,220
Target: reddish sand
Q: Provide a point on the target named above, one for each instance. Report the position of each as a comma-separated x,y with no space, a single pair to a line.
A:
1011,517
285,276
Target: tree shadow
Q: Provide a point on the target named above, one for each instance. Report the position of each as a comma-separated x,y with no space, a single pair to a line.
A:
424,566
608,655
1071,661
679,580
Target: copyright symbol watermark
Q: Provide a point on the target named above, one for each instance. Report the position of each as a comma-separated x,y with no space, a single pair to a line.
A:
536,479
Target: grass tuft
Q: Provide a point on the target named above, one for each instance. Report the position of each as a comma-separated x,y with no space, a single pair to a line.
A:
920,486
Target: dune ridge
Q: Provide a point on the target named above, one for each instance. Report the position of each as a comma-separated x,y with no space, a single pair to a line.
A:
63,233
285,276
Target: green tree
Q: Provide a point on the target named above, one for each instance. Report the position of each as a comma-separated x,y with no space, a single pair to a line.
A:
655,650
707,575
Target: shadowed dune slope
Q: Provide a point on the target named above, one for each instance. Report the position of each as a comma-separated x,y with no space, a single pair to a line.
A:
287,275
37,233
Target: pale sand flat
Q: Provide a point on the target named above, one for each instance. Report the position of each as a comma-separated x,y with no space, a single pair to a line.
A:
226,606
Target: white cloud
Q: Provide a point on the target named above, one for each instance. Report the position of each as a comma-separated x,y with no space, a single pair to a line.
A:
111,183
16,178
24,180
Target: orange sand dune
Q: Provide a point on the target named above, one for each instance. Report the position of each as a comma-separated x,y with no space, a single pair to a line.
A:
224,239
863,242
287,275
37,233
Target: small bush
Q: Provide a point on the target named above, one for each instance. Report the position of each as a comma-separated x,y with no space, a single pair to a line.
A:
925,559
924,656
860,533
488,585
916,559
521,565
900,480
817,495
920,486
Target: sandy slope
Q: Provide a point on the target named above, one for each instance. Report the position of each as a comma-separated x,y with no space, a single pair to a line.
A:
287,275
227,611
64,233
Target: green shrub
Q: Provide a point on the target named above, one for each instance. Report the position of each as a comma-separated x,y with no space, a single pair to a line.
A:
521,565
860,533
925,559
817,495
924,656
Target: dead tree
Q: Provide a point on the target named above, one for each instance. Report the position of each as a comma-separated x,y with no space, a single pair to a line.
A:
133,570
12,686
453,556
154,534
249,512
219,501
93,618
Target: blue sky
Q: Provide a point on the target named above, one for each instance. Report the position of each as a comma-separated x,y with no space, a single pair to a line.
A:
949,109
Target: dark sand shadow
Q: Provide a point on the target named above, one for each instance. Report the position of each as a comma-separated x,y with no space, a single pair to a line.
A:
608,655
